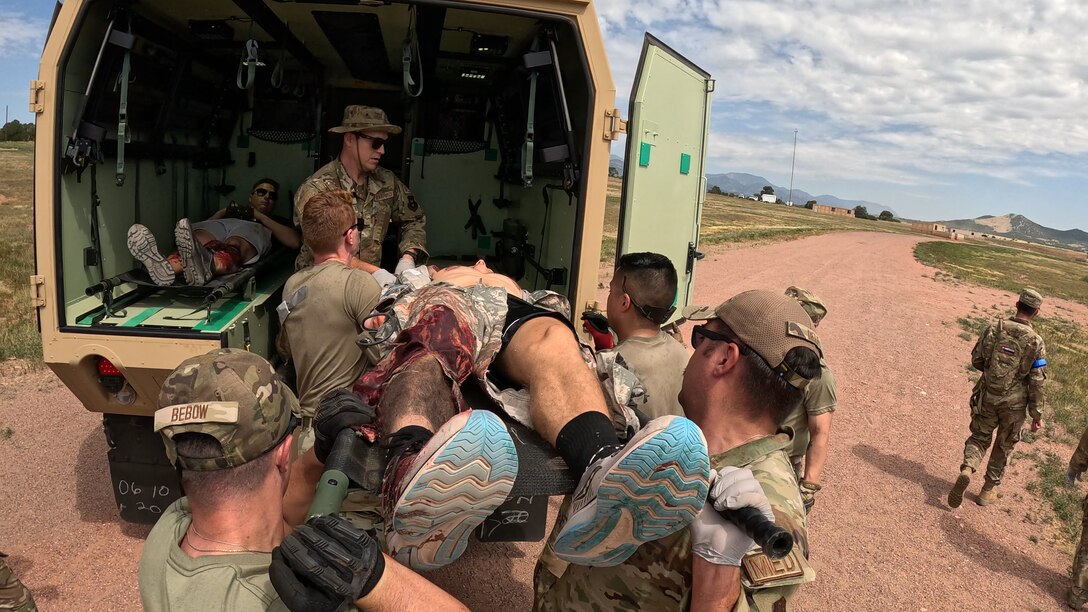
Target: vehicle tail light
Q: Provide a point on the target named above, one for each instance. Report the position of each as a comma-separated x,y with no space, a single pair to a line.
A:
111,378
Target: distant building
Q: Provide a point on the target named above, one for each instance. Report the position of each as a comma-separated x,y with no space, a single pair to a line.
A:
833,210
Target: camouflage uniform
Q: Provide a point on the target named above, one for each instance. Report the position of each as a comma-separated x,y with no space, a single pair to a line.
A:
1078,593
1012,359
658,576
382,199
14,597
820,398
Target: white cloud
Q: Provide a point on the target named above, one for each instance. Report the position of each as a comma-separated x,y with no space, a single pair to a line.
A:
20,36
879,89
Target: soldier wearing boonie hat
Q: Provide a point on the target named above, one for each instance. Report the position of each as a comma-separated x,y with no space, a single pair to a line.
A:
378,196
811,421
753,356
1012,358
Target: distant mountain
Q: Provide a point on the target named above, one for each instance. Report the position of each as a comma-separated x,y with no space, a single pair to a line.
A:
1022,228
749,184
616,162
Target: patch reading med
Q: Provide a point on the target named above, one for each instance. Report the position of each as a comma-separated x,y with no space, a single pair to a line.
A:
762,570
196,412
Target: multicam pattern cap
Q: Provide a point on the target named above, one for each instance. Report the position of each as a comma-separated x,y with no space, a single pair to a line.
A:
812,304
231,395
1031,298
767,322
361,118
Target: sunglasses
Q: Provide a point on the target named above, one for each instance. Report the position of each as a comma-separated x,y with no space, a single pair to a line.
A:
261,192
699,332
375,142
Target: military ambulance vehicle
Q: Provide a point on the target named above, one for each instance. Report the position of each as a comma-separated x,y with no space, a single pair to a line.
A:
151,111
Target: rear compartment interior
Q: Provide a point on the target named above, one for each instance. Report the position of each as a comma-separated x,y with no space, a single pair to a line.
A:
461,81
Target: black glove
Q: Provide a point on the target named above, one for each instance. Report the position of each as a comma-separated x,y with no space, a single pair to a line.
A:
325,566
338,409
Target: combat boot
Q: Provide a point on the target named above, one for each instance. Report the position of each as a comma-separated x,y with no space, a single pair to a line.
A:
988,494
955,496
1077,598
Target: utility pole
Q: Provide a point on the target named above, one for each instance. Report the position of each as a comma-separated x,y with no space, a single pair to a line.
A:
792,165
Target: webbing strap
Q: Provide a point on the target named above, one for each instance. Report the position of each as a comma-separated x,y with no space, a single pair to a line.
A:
122,118
247,66
527,144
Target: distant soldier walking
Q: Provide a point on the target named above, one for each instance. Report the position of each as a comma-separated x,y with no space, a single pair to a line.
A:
1078,592
1012,359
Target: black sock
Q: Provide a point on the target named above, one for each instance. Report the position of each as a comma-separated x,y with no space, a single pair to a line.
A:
582,438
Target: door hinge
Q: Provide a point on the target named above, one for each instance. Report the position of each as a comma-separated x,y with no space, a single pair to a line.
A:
37,89
37,282
614,125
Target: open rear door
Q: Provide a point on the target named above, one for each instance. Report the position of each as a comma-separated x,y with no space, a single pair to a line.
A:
664,183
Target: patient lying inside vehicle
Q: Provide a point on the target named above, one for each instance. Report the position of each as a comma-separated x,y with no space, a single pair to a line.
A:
450,467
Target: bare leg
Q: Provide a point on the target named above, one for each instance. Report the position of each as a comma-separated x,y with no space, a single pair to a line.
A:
448,471
418,395
544,357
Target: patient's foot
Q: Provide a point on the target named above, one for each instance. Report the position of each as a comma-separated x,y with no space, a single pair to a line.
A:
141,243
439,487
196,261
651,488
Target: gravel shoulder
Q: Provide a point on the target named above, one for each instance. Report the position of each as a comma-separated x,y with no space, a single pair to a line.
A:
881,535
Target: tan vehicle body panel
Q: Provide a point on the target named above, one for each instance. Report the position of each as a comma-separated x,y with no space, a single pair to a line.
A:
146,361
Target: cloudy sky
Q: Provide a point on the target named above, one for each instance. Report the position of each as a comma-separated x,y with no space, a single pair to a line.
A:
937,109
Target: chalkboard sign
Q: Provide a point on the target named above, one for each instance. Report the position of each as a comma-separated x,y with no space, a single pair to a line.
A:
518,519
143,490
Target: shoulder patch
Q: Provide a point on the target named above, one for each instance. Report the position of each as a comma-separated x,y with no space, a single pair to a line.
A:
1008,350
760,570
412,204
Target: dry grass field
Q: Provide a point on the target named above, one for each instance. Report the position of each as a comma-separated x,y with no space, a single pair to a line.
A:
727,219
18,325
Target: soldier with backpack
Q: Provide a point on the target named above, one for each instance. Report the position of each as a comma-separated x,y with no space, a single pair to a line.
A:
1012,359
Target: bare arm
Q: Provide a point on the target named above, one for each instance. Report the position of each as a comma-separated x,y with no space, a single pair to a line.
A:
288,236
305,472
218,214
359,264
402,589
713,587
819,428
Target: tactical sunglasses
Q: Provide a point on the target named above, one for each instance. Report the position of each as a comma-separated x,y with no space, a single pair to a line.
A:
261,192
375,142
700,331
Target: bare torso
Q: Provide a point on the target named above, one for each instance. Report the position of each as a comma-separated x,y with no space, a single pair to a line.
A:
467,276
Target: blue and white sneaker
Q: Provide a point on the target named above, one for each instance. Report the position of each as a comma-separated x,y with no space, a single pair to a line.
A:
438,492
651,488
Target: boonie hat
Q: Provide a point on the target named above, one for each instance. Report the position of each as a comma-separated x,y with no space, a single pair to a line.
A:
1031,298
359,118
812,304
767,322
231,395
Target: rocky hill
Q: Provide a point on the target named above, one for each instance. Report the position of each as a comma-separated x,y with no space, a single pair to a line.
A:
1022,228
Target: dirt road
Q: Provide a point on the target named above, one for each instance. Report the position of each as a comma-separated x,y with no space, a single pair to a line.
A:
881,536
